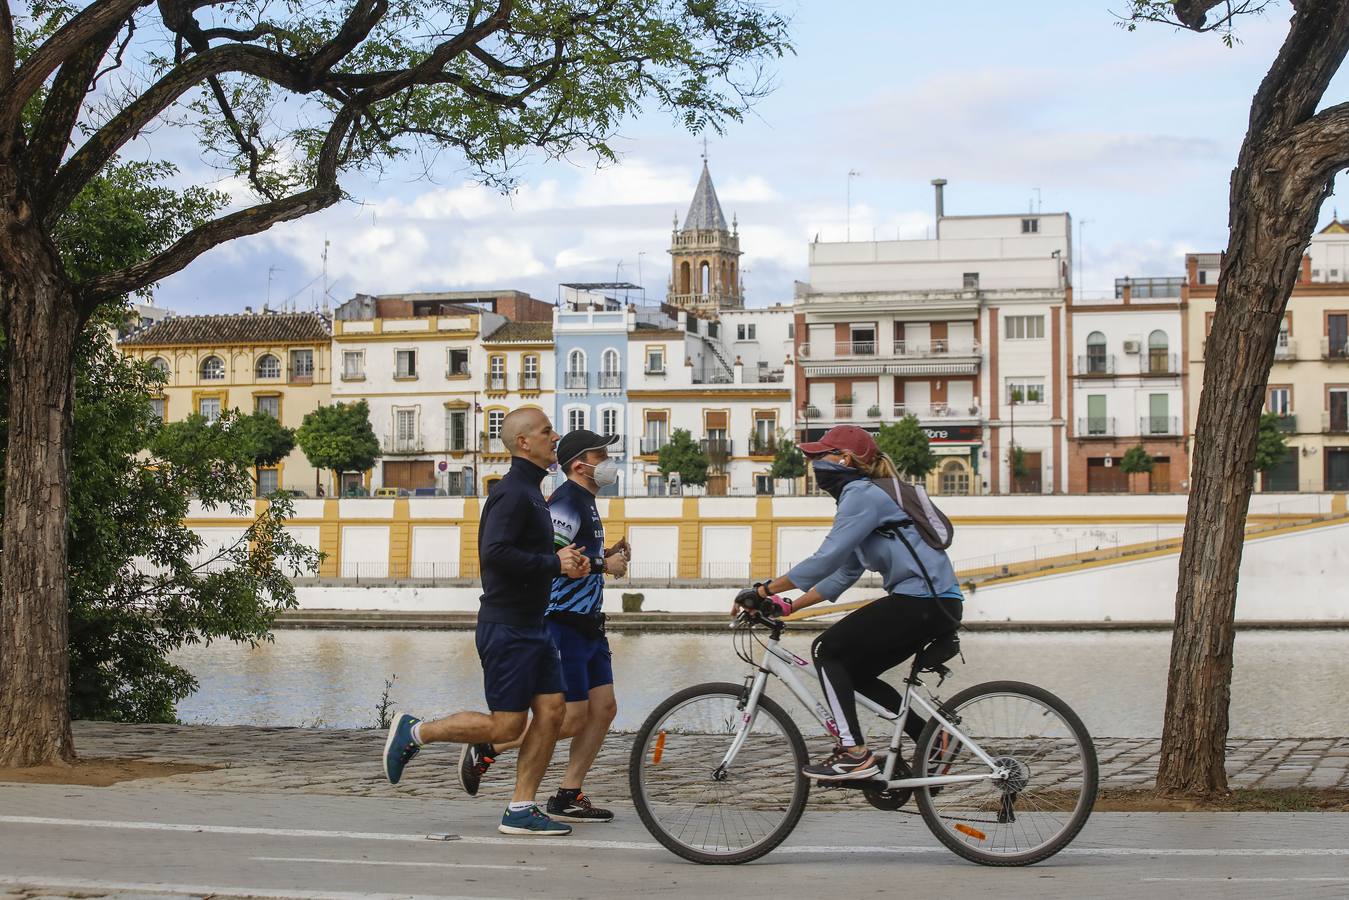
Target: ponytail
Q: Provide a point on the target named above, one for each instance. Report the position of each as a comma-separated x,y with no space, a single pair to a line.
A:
881,467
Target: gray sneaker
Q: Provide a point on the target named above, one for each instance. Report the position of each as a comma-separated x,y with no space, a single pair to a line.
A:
843,766
531,822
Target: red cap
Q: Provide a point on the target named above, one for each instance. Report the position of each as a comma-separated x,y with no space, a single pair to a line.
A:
856,441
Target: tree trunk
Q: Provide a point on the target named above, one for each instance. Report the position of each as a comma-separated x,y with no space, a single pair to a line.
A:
41,326
1278,186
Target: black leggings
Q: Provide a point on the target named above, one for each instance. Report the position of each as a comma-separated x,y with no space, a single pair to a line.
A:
853,653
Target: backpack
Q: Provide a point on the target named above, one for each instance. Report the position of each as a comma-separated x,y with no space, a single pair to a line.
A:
933,525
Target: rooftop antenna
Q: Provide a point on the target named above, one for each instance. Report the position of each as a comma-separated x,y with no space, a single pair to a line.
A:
271,270
1039,203
326,244
704,149
852,173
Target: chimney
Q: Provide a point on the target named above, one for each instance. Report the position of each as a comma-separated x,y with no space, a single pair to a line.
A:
939,185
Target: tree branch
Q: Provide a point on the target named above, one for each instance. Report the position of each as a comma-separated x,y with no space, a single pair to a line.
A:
62,107
355,29
435,62
6,45
239,224
92,21
1311,54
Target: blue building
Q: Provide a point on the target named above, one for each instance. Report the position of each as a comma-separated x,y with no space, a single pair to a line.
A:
590,334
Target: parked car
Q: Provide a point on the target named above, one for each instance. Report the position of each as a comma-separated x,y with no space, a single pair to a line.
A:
391,492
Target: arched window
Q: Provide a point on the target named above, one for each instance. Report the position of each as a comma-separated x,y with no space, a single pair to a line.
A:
1158,358
576,371
1097,363
611,377
212,369
684,276
269,366
955,478
160,365
704,279
576,418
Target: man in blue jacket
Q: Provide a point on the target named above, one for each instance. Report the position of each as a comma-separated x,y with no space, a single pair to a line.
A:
521,669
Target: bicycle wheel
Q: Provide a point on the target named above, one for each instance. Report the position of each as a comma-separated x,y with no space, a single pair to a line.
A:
1037,810
698,811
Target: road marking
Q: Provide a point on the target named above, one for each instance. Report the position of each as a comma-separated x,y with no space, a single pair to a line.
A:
640,845
206,890
1251,880
394,862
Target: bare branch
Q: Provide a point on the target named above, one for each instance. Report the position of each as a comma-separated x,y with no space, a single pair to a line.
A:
61,109
118,56
239,224
355,29
92,21
436,61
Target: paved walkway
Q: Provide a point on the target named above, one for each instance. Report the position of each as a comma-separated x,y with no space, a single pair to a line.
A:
347,762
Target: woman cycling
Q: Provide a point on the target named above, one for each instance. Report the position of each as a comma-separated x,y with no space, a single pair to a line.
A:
922,602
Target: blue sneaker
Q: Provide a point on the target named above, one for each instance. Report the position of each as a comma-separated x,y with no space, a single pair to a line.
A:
531,822
400,747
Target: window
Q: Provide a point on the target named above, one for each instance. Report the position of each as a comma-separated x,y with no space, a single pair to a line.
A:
405,429
532,369
301,364
456,429
456,362
1097,422
405,364
1029,226
1098,362
745,332
496,373
608,421
1203,277
494,417
576,418
1280,401
158,408
655,360
611,378
971,281
763,485
1025,328
209,408
268,366
791,331
353,364
1158,359
1026,391
1159,414
160,366
955,479
268,482
212,369
455,484
269,404
576,362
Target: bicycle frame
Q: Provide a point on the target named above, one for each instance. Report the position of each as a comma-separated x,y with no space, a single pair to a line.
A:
785,666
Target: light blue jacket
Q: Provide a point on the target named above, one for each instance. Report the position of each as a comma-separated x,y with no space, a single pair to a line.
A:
854,547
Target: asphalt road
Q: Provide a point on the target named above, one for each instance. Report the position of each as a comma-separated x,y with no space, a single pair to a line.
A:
147,839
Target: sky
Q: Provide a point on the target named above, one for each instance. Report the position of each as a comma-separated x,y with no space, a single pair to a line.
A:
1049,106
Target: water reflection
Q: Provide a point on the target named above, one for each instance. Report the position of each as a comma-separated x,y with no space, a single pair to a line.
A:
1115,680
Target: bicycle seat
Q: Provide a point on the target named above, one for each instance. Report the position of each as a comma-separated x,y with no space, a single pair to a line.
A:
939,650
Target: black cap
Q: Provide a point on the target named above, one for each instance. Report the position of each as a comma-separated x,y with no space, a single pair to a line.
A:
574,443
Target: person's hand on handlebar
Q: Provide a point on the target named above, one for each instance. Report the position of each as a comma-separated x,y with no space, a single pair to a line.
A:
770,606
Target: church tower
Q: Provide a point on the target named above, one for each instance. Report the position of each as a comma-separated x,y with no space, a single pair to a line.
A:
705,255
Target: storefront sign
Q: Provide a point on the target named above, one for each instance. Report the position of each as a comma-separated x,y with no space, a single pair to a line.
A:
945,434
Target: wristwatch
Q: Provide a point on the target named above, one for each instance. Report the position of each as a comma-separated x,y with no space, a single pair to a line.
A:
597,564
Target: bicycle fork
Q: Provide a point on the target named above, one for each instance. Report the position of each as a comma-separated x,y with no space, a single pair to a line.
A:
749,709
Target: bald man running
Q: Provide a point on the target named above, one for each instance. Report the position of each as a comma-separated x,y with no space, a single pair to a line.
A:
522,672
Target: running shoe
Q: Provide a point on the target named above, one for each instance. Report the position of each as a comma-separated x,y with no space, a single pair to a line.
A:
531,822
473,765
843,766
399,748
575,806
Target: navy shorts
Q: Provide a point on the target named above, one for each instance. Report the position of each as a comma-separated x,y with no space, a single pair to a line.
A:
586,661
519,662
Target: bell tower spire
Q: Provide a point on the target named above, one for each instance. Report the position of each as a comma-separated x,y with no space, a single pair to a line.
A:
705,254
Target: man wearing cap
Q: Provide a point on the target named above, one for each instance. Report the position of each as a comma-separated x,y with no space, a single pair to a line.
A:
576,621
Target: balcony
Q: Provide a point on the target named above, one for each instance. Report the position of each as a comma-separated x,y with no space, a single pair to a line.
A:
935,348
611,381
651,444
496,382
528,382
718,451
938,411
1286,423
1337,349
576,381
1097,427
865,350
1285,349
761,445
1159,362
616,448
1095,365
494,446
1163,426
1334,423
404,443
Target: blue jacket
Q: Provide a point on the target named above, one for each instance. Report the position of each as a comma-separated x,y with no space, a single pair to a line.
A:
515,549
853,547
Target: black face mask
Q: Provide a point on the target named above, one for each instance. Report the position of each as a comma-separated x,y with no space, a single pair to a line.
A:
833,477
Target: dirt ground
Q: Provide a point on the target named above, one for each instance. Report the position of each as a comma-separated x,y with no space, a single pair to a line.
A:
99,772
1284,800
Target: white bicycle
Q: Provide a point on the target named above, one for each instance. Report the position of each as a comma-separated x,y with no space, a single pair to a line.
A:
1004,773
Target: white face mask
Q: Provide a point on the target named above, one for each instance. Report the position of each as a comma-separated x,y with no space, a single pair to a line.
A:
606,472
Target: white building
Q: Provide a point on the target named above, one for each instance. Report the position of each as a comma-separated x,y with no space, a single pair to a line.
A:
946,329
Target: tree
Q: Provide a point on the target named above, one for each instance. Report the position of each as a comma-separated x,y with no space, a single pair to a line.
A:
1284,171
268,440
1271,447
906,443
788,462
683,455
248,441
142,582
339,437
1135,461
288,98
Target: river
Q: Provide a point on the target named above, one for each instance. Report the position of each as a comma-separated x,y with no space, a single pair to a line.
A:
1285,685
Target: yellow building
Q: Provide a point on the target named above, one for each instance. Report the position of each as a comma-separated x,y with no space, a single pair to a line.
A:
1309,382
275,362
